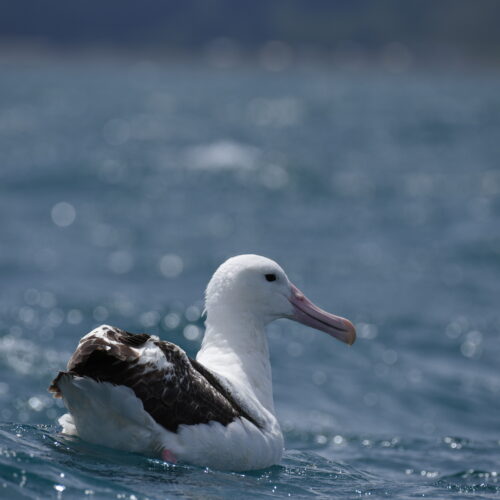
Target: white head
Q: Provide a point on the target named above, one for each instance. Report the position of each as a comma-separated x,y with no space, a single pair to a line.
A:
257,288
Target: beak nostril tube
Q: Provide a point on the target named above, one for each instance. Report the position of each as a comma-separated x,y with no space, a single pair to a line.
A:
309,314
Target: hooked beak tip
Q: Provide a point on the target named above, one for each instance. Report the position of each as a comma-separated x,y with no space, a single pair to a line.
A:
350,332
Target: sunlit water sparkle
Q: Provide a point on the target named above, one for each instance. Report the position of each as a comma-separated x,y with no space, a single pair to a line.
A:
122,188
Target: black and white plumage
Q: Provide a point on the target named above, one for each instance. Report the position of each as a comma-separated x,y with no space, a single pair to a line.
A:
141,394
174,389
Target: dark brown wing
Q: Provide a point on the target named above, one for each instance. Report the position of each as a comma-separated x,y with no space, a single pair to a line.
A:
173,388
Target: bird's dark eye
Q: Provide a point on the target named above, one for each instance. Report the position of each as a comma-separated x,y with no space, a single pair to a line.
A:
270,277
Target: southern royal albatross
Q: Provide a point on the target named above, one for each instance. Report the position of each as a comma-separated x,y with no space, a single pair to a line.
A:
141,394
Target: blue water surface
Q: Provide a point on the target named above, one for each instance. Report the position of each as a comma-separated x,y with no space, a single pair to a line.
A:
123,185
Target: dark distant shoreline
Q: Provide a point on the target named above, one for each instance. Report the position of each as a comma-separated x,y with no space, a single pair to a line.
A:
443,58
449,32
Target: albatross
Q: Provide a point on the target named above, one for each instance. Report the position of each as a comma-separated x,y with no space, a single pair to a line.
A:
137,393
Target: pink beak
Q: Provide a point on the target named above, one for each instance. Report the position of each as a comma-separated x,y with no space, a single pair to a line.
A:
304,311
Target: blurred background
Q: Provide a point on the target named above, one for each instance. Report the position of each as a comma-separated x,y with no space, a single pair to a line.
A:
356,143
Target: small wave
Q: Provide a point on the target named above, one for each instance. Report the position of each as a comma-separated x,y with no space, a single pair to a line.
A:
471,481
36,462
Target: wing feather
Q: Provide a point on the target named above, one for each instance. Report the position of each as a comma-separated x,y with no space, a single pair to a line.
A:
174,389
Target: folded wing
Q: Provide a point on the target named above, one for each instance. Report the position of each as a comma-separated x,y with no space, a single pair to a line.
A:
174,389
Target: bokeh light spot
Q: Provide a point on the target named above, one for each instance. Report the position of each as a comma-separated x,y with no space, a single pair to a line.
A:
63,214
191,332
171,265
149,319
74,317
192,313
171,321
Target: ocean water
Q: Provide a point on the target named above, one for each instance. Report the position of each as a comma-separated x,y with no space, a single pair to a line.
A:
123,185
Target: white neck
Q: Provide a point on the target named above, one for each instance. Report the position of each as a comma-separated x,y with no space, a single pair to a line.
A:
235,347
